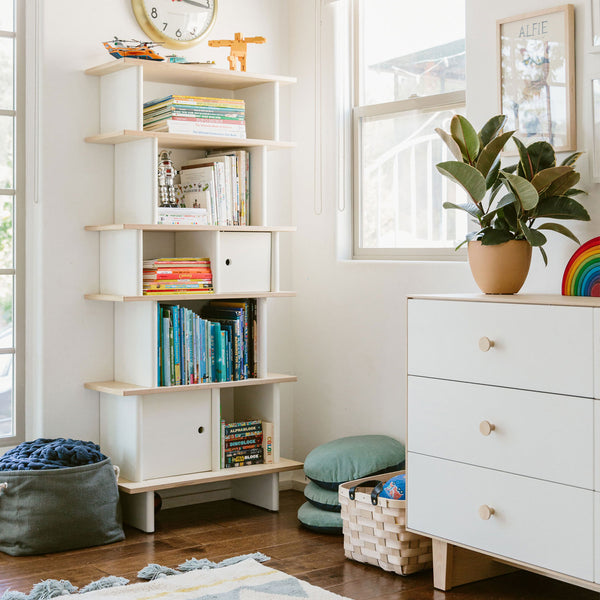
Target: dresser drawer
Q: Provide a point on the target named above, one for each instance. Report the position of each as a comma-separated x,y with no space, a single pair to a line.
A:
536,434
543,348
544,524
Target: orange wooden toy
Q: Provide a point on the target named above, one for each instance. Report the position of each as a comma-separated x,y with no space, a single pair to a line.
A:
239,48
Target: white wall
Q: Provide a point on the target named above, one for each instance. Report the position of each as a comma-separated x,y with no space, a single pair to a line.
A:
76,186
350,324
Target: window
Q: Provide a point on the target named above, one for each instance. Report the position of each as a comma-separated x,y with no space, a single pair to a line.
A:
409,77
11,414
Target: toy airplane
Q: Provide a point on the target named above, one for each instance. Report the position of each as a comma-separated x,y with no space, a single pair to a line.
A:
132,49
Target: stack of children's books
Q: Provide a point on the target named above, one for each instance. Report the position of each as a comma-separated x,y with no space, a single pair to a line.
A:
196,115
177,276
246,443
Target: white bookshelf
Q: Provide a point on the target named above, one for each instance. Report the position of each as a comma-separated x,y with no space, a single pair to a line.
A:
166,437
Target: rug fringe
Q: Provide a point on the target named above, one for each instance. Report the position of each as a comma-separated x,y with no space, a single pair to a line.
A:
154,571
103,583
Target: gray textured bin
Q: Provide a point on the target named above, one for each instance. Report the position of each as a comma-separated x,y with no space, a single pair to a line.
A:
59,509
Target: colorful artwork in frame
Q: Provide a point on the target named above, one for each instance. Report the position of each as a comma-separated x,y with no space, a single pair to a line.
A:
582,273
537,76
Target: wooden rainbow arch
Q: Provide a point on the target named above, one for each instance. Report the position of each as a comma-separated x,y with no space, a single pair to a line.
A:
582,273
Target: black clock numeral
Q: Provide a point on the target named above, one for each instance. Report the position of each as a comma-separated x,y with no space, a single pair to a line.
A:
154,13
165,26
178,33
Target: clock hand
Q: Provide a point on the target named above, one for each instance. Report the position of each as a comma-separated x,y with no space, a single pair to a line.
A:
200,4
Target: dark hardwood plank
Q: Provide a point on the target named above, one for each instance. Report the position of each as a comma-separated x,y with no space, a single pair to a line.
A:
219,530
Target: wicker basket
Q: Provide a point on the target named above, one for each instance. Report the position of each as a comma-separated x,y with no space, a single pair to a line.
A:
376,534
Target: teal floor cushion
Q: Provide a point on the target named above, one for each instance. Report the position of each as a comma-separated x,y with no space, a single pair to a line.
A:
322,498
353,457
320,521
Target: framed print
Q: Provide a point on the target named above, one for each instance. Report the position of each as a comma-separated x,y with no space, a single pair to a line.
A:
595,85
537,76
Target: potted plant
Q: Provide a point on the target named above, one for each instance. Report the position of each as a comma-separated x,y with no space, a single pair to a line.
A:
508,203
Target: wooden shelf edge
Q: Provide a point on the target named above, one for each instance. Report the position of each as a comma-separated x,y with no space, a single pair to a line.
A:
181,73
159,227
165,483
539,299
184,297
118,388
185,140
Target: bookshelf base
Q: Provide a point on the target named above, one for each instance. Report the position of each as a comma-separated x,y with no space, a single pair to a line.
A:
256,484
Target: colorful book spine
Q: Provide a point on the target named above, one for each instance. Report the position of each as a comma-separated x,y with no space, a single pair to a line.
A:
267,442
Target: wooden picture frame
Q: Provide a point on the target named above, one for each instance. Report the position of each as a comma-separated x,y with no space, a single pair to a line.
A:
536,76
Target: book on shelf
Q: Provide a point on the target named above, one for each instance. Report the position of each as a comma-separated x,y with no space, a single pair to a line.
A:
177,275
204,347
182,216
196,115
249,449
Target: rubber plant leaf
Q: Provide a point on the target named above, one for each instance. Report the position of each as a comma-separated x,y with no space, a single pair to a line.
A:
491,178
542,180
525,167
504,201
542,156
571,159
469,207
493,237
544,255
492,128
534,237
563,183
575,192
451,143
560,229
561,207
468,177
524,191
466,137
489,154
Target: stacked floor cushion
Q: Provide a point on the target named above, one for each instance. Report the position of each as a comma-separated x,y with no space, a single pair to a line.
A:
57,495
337,462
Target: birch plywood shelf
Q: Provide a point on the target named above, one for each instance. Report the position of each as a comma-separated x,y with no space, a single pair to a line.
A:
169,436
185,141
133,487
196,75
118,388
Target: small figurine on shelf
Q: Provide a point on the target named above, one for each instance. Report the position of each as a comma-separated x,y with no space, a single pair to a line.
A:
182,60
239,48
132,49
166,180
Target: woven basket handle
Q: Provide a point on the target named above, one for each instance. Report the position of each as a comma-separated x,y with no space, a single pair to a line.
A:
374,494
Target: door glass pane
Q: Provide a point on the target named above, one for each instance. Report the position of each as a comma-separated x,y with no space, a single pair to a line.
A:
411,48
402,192
6,311
6,232
6,15
7,59
6,395
6,152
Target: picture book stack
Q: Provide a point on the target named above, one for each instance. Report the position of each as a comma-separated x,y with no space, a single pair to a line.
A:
177,276
246,443
215,345
219,185
196,115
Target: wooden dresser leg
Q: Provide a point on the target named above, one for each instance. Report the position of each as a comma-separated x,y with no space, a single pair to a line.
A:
454,566
138,510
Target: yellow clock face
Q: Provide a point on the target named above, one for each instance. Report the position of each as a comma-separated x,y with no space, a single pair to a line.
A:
175,23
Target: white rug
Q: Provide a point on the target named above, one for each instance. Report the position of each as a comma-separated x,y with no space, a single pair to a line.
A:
247,580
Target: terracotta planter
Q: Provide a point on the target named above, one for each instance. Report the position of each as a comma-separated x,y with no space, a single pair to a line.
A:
500,269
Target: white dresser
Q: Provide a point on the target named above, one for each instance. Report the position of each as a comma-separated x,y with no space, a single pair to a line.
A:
504,434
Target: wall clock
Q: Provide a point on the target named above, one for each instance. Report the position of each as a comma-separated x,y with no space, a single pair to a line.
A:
175,23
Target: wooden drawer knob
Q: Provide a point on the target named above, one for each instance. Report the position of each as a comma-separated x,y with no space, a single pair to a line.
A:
485,512
485,344
485,427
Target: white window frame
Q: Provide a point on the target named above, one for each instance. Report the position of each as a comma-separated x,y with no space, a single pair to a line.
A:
18,194
445,101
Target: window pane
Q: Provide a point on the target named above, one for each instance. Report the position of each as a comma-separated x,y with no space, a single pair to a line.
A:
402,192
6,15
6,311
6,395
7,59
6,152
411,48
6,232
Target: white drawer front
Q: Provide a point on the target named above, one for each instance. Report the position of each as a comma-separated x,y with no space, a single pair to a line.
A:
171,441
545,524
536,434
543,348
245,262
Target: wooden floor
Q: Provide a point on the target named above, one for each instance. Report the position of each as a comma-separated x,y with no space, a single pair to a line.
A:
222,529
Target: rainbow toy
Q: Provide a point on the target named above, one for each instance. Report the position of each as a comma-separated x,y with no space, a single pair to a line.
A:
582,274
